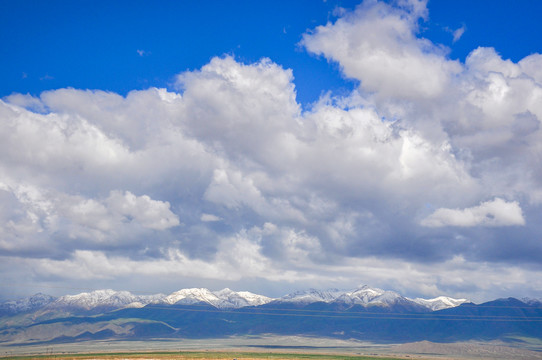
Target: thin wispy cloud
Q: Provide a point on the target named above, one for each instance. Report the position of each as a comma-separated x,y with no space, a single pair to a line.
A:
458,33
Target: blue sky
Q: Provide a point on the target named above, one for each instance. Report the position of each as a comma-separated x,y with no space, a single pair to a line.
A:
271,146
95,44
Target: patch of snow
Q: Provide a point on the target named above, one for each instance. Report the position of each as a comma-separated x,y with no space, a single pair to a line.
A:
312,296
106,298
33,302
223,299
439,303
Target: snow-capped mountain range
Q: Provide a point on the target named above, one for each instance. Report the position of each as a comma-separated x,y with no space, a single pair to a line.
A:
368,296
223,299
27,304
111,299
105,298
365,313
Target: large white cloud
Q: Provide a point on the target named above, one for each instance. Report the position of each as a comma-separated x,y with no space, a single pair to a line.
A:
240,109
38,216
227,179
377,44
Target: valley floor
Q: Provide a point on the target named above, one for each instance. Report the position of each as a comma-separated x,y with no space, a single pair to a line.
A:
269,348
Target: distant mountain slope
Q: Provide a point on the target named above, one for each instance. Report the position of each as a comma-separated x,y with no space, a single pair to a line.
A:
499,319
32,303
490,320
365,313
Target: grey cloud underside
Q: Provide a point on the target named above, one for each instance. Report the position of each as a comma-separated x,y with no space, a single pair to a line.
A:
429,162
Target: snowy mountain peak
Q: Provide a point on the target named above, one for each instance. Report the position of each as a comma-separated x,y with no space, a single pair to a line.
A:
33,302
254,299
106,298
366,291
311,296
532,302
192,296
368,288
223,299
366,295
224,292
241,298
440,302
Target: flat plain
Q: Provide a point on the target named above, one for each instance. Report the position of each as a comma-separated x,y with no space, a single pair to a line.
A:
268,348
205,355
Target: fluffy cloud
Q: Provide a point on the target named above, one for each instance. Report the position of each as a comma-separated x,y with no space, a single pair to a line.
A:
39,216
149,213
227,179
377,44
490,213
453,276
240,109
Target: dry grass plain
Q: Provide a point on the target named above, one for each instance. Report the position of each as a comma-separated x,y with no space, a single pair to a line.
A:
269,348
203,356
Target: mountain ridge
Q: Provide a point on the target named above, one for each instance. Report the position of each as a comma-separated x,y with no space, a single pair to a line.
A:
364,313
108,299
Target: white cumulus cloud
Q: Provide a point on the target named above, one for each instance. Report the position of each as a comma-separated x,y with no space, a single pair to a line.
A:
233,180
377,45
497,212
